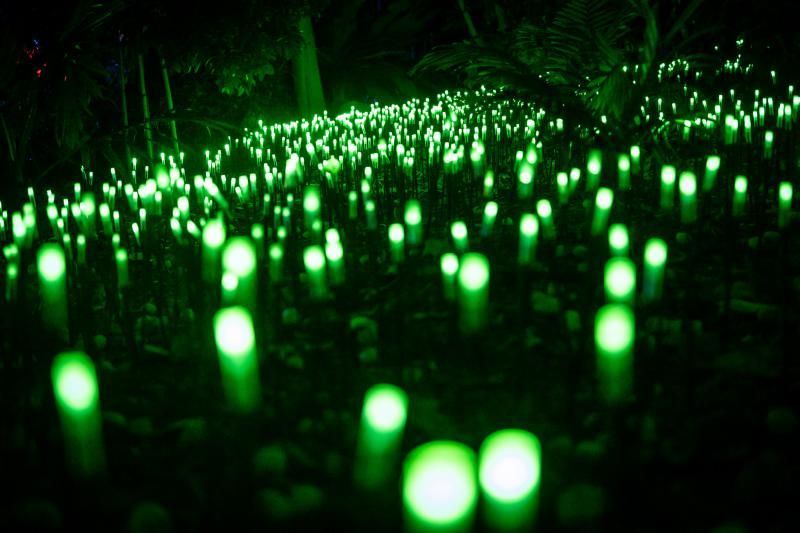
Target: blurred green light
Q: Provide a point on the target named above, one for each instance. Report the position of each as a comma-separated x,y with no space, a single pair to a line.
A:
385,408
51,262
510,466
439,484
233,330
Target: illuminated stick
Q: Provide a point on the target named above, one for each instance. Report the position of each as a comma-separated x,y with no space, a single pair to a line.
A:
655,259
276,262
528,235
489,216
525,181
413,220
509,472
636,154
545,214
458,230
449,266
383,420
668,176
620,280
213,239
397,242
594,167
77,399
618,241
314,260
688,188
710,176
614,334
739,195
52,269
439,488
473,292
624,172
785,192
334,254
604,200
562,180
236,347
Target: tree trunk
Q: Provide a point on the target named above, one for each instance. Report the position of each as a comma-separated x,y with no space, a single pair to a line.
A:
148,131
307,81
173,130
473,32
123,83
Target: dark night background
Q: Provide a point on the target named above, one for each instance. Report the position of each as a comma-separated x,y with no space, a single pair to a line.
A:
230,64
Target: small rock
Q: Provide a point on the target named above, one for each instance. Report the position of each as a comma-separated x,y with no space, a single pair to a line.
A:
149,517
273,504
580,504
39,515
270,460
781,420
544,303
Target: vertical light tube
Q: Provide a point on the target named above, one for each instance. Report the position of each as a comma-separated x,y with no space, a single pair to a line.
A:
77,399
473,293
509,471
383,420
236,348
52,268
439,488
614,334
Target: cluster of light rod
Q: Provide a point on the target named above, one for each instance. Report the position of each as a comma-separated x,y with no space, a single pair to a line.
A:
383,420
687,184
334,255
439,487
473,292
509,472
77,399
620,280
238,361
239,260
618,240
52,268
614,334
655,259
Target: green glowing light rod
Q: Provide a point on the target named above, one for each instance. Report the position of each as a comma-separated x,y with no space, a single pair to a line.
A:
655,259
314,260
449,267
668,177
603,202
77,399
473,292
620,280
213,239
688,188
614,334
784,203
509,472
236,347
618,240
383,421
52,267
439,488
